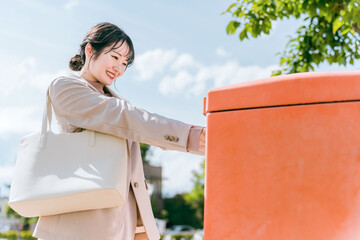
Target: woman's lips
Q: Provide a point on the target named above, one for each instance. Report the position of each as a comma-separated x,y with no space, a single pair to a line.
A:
110,74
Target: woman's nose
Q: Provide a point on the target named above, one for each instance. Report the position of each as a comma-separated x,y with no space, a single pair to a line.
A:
119,69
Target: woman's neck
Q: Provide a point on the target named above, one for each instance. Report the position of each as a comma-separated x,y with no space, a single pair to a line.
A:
98,85
88,77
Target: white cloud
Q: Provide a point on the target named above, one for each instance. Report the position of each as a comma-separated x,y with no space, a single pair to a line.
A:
6,173
15,119
22,96
221,52
188,77
183,61
41,80
15,75
231,72
71,4
208,77
152,62
176,84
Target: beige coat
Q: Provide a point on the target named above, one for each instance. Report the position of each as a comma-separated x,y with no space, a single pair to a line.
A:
78,104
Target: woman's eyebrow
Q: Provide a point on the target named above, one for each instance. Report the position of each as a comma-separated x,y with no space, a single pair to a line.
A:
120,55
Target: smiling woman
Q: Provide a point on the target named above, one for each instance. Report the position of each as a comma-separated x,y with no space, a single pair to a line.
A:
109,65
85,102
113,50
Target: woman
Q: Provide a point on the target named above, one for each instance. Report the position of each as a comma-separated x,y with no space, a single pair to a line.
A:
85,102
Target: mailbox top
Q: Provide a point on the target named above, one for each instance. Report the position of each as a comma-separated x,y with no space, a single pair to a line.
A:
292,89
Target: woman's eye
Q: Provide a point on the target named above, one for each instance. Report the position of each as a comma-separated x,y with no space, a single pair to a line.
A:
115,57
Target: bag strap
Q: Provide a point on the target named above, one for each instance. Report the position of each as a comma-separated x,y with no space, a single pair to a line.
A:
47,112
47,118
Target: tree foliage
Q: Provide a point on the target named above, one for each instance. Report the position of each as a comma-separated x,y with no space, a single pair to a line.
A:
195,198
330,31
24,221
180,212
188,208
145,152
14,235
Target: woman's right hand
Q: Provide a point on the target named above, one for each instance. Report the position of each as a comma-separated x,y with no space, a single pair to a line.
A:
202,141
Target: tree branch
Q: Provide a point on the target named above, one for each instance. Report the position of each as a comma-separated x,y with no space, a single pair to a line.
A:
356,28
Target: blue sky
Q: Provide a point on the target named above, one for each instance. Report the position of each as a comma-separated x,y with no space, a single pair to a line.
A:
182,51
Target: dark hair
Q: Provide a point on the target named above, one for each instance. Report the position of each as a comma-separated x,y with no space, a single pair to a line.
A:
101,36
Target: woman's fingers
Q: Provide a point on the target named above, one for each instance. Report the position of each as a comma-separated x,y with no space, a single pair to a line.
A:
202,141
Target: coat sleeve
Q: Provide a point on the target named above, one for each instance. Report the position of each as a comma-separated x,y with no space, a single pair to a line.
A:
85,108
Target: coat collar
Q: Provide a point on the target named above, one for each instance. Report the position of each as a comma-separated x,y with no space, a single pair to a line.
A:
71,74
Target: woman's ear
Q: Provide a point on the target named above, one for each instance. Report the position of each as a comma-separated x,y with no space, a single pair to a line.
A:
88,50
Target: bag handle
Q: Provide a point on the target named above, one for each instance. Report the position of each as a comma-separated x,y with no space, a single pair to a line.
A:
47,118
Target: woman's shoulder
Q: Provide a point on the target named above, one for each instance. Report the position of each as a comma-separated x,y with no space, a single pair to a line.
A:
68,78
69,82
72,82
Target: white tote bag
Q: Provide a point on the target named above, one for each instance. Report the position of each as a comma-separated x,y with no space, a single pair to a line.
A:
68,172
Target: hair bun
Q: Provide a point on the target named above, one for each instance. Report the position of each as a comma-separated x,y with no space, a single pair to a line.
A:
76,63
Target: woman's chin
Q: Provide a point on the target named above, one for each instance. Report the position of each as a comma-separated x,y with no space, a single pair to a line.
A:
107,81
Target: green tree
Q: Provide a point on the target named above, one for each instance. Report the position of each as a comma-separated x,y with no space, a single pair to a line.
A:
188,208
180,212
195,198
330,31
145,152
24,221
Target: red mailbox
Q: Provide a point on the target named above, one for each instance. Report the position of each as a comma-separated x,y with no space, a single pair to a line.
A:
283,159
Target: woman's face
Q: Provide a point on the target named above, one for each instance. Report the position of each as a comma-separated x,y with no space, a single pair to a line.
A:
109,65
